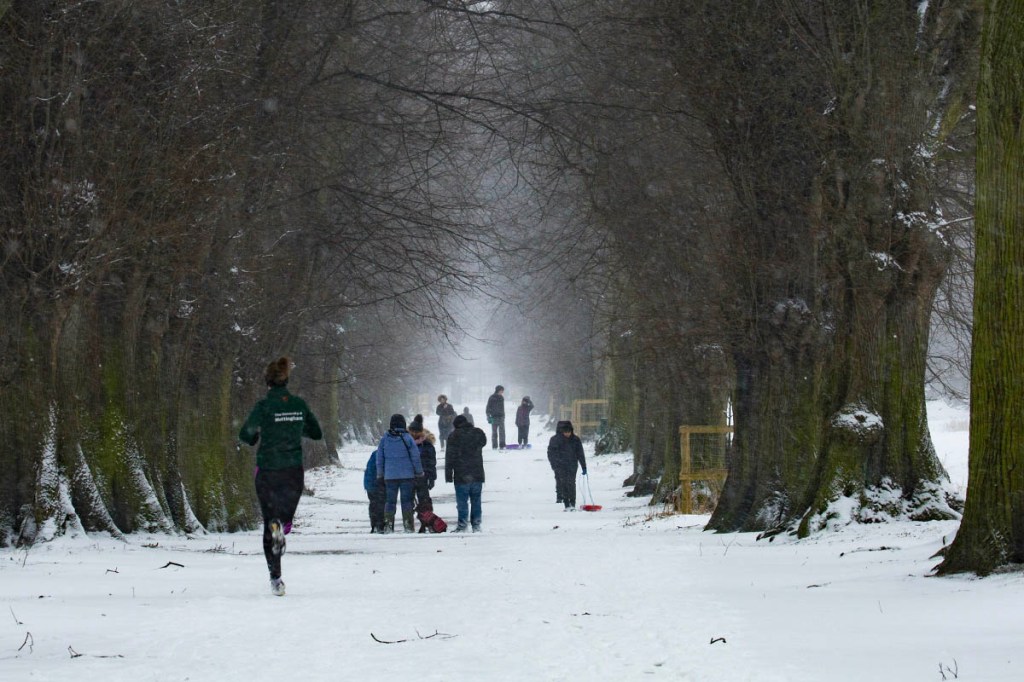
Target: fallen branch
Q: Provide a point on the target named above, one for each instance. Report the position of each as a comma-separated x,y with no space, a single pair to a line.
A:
29,641
111,570
172,563
16,621
718,639
402,641
75,654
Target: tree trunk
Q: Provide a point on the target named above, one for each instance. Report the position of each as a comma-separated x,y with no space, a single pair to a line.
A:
775,445
992,531
876,446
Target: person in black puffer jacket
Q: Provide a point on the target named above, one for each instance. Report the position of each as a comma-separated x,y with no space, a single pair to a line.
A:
464,466
424,440
565,450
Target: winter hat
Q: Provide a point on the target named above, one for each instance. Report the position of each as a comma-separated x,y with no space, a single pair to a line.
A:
499,387
459,421
277,372
564,426
397,422
417,424
526,399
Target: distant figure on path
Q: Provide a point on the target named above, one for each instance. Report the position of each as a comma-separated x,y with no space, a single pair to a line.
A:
496,417
565,449
523,420
468,416
445,418
279,423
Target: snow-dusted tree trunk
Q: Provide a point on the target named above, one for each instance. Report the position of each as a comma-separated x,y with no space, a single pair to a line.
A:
53,513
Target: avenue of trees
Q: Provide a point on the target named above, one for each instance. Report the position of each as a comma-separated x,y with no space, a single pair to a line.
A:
691,207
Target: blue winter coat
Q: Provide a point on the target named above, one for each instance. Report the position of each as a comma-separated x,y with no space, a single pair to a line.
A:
370,475
398,457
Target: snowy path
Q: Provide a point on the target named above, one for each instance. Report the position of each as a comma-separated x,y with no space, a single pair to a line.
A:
539,595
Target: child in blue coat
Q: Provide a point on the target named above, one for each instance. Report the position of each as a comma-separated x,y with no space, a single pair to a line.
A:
375,493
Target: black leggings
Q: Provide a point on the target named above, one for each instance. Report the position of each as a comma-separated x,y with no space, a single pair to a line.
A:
565,486
524,434
279,491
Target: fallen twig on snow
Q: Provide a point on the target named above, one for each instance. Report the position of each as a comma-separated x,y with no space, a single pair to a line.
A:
29,641
954,671
718,639
75,654
111,570
172,563
16,621
400,641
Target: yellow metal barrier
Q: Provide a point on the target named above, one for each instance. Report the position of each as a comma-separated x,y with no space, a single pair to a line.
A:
709,466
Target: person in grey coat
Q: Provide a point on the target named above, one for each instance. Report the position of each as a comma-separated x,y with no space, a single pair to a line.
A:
495,412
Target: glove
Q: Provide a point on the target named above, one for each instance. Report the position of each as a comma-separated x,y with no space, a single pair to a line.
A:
584,471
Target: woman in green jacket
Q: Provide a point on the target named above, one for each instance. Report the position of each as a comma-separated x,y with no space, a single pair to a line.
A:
278,422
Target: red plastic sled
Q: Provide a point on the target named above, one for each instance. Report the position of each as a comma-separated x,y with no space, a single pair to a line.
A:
588,506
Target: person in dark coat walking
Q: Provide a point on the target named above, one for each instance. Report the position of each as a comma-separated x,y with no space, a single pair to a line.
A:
375,493
464,466
523,420
467,415
399,465
278,422
445,418
424,440
565,450
495,412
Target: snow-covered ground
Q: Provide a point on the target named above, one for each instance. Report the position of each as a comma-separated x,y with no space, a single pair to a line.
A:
619,594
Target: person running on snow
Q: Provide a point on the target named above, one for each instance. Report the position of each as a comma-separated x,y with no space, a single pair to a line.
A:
398,465
375,494
446,416
279,422
424,440
523,420
565,449
495,412
464,466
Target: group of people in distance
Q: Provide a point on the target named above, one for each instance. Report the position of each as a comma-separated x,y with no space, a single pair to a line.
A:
400,472
495,411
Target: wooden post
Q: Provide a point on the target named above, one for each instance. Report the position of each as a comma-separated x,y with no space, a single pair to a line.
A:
685,472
